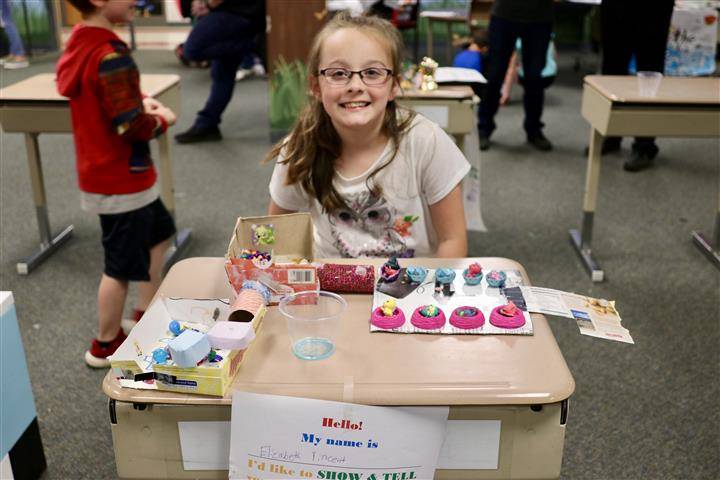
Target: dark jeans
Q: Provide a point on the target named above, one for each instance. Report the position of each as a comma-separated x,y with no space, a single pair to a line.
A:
640,28
502,35
224,39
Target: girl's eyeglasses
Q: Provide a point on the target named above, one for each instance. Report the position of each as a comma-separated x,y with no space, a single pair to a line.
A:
370,76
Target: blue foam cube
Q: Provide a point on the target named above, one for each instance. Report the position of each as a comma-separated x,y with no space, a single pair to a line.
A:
188,348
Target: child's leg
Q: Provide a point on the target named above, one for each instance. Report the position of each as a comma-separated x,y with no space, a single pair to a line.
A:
111,300
147,289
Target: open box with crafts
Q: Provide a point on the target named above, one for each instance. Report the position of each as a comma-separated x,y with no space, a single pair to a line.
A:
186,345
447,301
274,250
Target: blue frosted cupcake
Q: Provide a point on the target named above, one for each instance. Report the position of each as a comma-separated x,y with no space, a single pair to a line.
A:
416,274
496,278
445,275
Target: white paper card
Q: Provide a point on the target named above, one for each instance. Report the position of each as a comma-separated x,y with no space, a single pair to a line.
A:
437,114
275,437
204,445
471,444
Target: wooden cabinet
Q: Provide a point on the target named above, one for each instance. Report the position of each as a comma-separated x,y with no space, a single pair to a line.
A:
292,25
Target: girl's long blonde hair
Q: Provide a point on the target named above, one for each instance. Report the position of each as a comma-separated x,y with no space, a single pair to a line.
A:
314,145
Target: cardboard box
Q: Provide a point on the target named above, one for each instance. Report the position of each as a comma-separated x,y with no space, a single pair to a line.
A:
292,243
132,363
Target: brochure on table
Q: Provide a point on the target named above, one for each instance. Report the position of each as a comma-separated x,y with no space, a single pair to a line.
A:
595,317
481,296
276,437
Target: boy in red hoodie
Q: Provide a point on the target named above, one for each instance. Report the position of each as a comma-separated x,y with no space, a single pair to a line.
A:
112,124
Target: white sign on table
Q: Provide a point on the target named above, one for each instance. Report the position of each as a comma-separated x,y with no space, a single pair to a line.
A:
275,437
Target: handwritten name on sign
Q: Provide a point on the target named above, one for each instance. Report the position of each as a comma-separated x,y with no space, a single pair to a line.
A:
331,440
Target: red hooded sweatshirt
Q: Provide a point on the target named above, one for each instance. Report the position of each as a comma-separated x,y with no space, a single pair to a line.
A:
110,128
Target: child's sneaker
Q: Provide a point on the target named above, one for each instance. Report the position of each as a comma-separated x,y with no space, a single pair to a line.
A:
127,324
16,62
97,356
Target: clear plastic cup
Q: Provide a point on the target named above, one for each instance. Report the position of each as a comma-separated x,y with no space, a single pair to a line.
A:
313,320
648,83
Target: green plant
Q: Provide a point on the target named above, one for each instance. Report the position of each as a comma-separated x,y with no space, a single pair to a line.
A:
288,93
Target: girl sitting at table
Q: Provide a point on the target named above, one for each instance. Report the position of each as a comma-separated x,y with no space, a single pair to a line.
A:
379,180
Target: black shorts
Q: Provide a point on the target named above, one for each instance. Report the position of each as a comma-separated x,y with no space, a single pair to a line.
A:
128,237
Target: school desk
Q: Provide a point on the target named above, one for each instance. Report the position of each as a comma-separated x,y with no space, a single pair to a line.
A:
683,107
522,381
451,107
33,106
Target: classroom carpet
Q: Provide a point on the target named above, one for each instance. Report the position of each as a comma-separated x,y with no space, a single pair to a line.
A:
649,410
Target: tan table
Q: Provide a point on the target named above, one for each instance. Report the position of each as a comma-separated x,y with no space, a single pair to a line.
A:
33,106
683,107
521,380
451,107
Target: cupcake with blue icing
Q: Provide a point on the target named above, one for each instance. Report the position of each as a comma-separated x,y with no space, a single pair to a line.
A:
473,274
496,278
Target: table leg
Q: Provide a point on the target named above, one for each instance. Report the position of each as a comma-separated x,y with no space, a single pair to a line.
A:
181,242
48,243
582,240
711,248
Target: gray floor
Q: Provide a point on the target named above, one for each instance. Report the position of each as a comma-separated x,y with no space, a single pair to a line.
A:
638,412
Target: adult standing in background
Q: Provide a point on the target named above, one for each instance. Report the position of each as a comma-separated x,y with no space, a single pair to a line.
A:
637,28
16,57
223,35
531,22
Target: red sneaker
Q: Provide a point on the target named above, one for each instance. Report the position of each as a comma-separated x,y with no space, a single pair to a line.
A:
96,357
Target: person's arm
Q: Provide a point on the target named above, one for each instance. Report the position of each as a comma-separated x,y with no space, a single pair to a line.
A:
275,209
122,101
448,218
510,79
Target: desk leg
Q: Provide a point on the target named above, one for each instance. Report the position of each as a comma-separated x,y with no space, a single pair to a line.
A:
582,240
710,248
48,243
181,242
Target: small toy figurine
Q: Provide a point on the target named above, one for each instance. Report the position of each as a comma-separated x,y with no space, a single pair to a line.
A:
263,235
427,70
473,274
509,310
388,308
416,274
160,355
429,311
496,278
390,271
175,328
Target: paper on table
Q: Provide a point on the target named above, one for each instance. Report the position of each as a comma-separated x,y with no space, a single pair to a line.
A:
459,75
595,317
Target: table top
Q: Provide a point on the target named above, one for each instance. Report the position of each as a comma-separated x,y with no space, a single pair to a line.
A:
41,88
673,90
449,92
379,368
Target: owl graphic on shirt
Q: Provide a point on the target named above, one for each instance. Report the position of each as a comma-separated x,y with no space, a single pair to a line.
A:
368,228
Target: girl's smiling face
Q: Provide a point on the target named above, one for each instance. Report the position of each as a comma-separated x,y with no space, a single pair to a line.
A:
354,107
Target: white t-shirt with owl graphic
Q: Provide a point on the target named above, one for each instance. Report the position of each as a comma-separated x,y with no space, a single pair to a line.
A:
427,167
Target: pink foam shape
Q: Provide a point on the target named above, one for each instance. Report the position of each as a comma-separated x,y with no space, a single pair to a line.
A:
380,320
427,323
467,323
501,321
